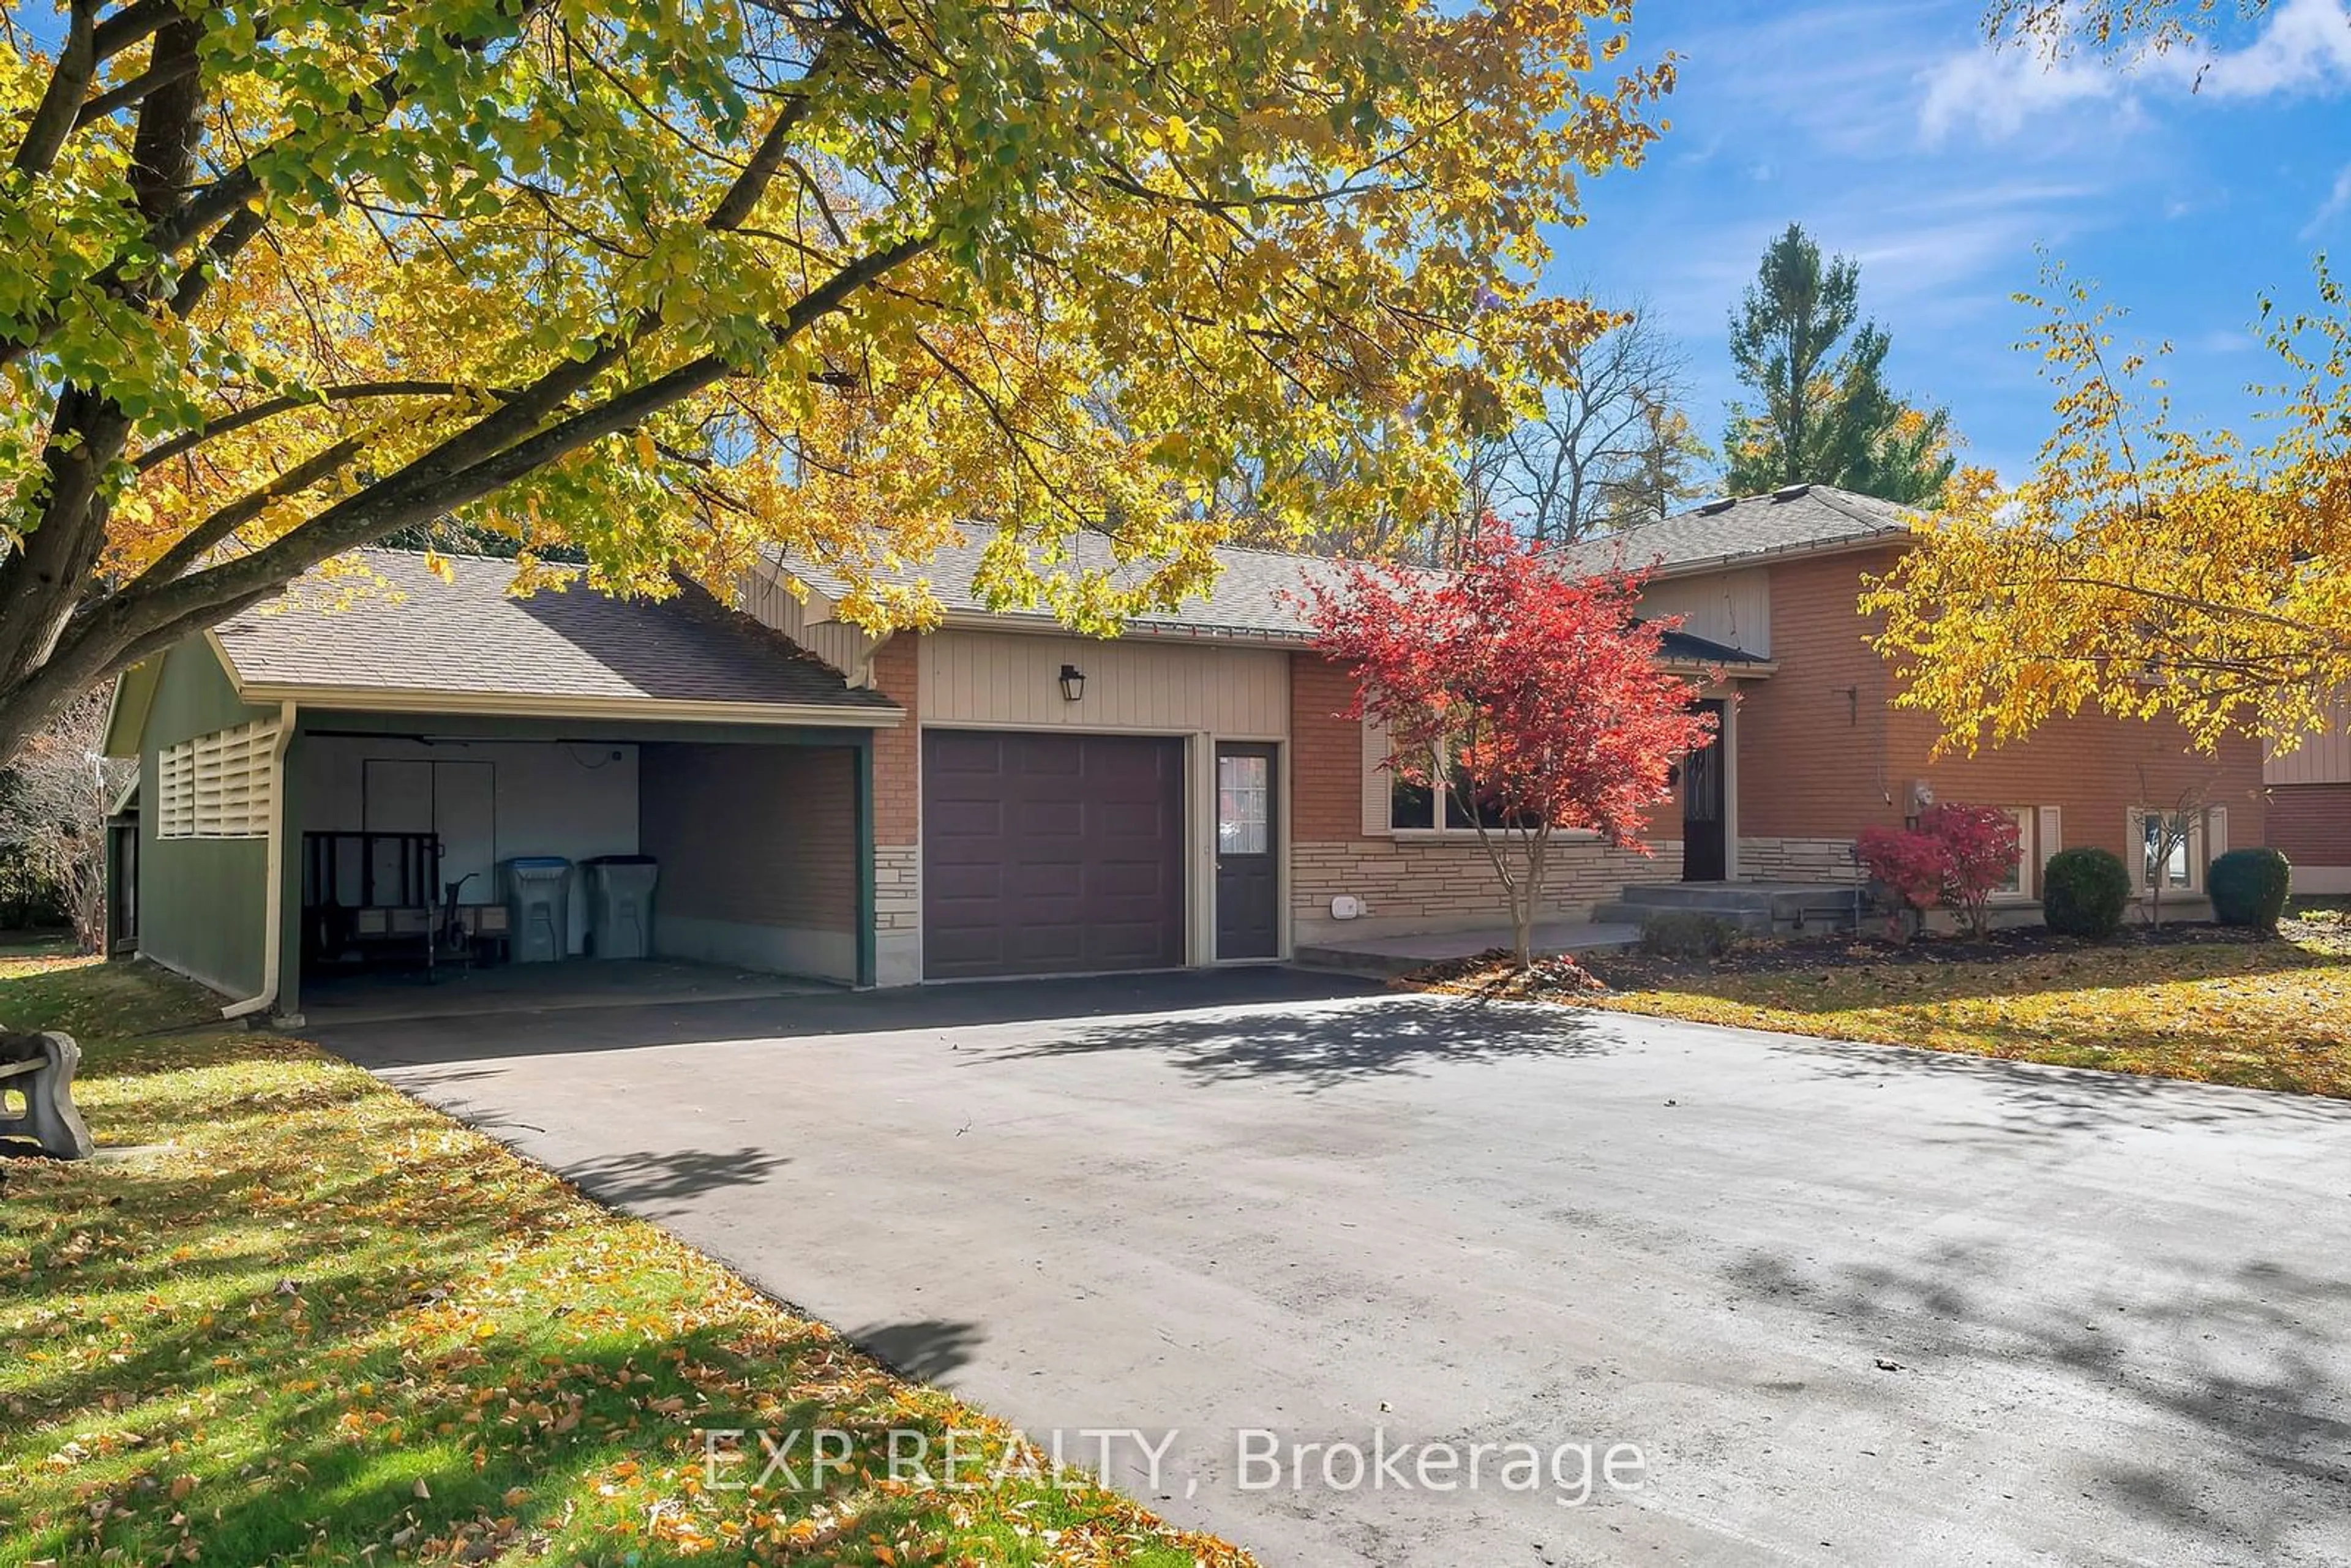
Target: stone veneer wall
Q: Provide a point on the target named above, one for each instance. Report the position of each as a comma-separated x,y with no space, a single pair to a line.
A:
1798,860
897,914
1438,885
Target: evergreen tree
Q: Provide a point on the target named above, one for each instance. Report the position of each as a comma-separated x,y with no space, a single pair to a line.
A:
1825,415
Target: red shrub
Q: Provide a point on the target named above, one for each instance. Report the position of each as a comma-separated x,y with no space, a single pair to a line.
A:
1957,856
1980,848
1908,864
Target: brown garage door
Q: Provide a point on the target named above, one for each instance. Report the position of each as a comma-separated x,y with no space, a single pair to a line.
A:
1047,854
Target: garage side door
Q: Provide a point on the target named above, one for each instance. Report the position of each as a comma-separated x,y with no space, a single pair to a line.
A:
1046,854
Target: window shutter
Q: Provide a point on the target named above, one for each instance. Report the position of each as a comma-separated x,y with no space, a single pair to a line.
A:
2134,856
1376,781
2052,839
2216,832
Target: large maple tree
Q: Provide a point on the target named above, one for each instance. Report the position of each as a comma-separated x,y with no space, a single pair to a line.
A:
2144,566
1536,695
668,281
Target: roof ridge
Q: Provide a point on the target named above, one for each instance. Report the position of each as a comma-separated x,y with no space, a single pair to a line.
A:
1840,500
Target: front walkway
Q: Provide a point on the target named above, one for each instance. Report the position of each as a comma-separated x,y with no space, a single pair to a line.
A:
1851,1304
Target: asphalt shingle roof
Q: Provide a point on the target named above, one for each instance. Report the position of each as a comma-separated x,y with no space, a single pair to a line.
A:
1248,600
1257,594
1800,517
471,638
1682,648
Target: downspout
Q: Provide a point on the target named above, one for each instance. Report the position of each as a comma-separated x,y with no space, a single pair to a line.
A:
272,915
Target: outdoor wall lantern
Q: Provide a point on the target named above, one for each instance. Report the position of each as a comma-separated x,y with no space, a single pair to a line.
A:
1073,683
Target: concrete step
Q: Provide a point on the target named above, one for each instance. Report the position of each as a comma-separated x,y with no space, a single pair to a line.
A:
1757,921
1781,909
1698,896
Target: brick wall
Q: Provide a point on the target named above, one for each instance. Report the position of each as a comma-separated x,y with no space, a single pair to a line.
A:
1326,754
2309,823
1816,754
790,857
897,752
1822,751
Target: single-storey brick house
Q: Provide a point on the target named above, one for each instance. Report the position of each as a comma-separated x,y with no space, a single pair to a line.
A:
997,797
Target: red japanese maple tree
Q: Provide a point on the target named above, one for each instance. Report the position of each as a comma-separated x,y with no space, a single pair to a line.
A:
1533,692
1957,856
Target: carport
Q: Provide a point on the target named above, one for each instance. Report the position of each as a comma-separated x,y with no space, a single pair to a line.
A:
755,831
389,757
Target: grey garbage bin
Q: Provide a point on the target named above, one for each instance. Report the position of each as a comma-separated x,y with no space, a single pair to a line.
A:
621,906
538,906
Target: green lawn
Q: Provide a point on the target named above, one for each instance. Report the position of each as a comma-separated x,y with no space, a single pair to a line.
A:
289,1316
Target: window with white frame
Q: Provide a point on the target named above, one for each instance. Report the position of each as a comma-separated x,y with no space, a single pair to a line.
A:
218,786
2168,849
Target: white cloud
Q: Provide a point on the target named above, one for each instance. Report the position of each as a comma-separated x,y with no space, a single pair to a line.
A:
2303,47
1998,91
2338,202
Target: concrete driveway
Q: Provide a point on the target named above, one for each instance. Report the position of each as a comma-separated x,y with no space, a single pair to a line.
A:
1851,1305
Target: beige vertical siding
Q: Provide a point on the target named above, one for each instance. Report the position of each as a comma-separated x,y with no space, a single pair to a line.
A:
764,597
2320,758
1732,607
999,678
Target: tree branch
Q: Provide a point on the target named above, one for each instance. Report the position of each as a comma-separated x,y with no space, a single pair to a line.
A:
230,420
439,481
197,543
136,88
131,25
53,120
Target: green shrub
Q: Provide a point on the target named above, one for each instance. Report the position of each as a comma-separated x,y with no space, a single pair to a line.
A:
2084,892
2248,887
1688,933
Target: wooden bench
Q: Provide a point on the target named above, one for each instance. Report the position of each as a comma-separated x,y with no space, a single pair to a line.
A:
40,1067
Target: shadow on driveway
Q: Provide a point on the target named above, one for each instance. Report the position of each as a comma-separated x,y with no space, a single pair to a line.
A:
1321,1047
967,1005
2244,1363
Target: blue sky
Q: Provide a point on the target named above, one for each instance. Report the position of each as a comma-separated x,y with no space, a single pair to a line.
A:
1893,134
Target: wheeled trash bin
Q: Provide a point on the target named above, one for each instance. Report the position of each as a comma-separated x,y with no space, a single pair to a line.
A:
621,906
539,907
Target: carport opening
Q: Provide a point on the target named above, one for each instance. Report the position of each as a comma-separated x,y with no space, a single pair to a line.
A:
454,860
